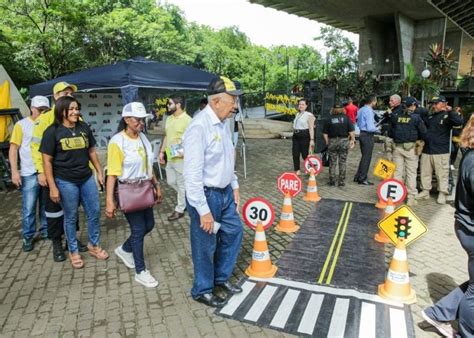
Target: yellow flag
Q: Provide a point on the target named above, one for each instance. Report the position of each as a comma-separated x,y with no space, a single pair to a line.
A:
5,103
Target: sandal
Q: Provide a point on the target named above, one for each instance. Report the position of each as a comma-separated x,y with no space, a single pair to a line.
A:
76,260
97,252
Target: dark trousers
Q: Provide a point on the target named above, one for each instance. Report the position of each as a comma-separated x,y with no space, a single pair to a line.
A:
459,303
300,147
366,141
54,216
141,223
454,152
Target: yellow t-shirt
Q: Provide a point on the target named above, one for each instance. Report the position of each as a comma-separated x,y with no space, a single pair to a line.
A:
21,136
174,131
126,157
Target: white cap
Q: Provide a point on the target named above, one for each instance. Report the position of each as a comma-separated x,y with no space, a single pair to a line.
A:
134,109
40,102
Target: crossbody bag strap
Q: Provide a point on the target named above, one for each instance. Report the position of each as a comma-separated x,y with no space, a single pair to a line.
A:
146,153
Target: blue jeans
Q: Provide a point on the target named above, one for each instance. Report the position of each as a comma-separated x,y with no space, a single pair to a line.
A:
88,195
31,196
141,223
459,303
214,255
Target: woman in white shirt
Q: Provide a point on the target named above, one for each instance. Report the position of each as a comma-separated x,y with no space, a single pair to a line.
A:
303,134
130,157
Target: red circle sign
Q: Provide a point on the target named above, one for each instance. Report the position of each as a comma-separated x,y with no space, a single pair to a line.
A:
313,162
289,182
392,188
258,209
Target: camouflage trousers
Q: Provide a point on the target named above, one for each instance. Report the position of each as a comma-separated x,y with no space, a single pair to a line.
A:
338,148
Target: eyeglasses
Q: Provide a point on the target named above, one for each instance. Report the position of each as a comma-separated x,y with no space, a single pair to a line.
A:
139,119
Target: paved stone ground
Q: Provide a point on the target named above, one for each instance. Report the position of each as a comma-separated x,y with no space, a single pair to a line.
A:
41,298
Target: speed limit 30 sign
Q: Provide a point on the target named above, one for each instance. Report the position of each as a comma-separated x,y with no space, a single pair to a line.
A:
258,209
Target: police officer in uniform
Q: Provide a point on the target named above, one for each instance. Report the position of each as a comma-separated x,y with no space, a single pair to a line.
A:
396,108
436,150
339,135
406,128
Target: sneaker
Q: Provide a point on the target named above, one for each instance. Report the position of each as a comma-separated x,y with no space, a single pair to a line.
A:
126,257
444,328
411,202
441,198
27,244
44,236
424,195
146,279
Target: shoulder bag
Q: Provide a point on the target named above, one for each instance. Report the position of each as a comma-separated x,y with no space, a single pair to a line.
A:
136,195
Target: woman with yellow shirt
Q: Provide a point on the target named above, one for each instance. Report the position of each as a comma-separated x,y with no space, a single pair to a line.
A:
129,158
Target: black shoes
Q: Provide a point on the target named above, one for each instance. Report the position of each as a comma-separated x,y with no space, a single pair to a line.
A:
230,288
332,183
175,215
211,300
58,252
342,183
27,244
365,182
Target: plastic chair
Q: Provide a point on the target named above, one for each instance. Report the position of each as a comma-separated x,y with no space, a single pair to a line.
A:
156,146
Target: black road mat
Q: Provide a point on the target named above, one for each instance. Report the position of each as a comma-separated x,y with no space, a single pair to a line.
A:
335,246
319,311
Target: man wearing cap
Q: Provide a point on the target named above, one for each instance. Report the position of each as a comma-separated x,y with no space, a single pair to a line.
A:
175,125
339,135
405,129
26,178
212,194
436,150
54,212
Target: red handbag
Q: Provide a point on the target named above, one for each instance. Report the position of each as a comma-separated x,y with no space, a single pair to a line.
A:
135,195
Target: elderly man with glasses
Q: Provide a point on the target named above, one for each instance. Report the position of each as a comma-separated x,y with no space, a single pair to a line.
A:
212,194
175,126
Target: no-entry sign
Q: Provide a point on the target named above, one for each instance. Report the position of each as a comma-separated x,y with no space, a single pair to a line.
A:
289,182
392,188
258,209
313,162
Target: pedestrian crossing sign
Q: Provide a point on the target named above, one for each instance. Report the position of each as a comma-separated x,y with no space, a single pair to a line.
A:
403,223
384,169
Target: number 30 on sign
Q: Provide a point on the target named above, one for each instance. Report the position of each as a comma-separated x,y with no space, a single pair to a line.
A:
258,209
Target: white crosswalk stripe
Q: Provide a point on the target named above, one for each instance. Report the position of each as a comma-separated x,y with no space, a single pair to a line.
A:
301,308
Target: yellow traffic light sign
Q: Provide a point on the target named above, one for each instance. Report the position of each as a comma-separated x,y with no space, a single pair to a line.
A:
403,223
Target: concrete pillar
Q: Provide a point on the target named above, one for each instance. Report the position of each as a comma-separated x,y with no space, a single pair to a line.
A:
405,34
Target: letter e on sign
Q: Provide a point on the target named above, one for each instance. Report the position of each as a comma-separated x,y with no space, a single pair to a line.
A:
392,188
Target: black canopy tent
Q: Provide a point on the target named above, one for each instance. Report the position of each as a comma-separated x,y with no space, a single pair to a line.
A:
130,75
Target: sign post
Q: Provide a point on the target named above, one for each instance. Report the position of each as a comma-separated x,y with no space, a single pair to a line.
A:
289,182
313,162
392,188
403,223
384,169
256,210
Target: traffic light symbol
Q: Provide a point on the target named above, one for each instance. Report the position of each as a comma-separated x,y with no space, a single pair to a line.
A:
402,227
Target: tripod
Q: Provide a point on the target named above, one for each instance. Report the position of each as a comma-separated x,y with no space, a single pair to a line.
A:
243,153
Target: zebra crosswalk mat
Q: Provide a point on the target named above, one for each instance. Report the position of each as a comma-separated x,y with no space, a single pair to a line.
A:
315,310
336,246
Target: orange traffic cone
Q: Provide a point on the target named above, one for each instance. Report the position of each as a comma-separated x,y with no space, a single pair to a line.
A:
261,265
381,237
380,204
287,220
312,190
397,284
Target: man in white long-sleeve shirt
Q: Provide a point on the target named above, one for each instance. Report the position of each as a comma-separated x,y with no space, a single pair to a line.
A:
212,194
